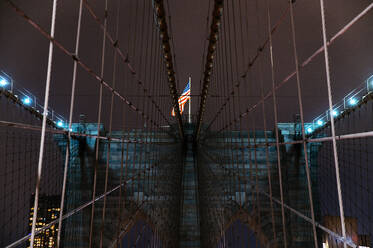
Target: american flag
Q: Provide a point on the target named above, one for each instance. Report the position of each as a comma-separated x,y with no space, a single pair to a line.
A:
185,96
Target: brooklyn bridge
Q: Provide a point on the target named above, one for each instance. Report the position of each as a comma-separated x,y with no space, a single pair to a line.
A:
157,123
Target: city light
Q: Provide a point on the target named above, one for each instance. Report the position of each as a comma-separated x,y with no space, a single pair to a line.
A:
60,123
309,130
335,113
320,122
27,100
352,101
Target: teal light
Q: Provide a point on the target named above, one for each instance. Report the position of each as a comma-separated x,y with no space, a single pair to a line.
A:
3,82
27,100
352,101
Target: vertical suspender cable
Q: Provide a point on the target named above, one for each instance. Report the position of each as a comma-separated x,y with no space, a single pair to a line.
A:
45,114
110,129
330,100
68,145
265,130
276,126
300,102
98,126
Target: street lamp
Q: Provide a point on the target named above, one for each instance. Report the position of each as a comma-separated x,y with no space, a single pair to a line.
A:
27,100
352,101
3,82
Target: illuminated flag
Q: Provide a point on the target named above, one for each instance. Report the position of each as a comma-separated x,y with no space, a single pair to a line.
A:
185,96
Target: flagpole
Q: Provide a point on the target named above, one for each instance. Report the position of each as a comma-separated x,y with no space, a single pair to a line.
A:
190,101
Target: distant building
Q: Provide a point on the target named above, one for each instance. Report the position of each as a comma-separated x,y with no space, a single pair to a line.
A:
48,210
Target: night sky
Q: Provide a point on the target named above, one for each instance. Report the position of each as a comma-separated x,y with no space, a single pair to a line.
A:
24,51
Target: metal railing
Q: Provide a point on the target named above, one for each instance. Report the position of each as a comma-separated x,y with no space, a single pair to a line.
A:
8,84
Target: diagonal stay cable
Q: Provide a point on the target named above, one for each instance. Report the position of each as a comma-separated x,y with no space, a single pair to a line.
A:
80,62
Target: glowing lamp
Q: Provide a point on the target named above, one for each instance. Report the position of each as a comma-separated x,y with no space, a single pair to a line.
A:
60,123
320,123
335,113
27,100
309,130
352,101
3,82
